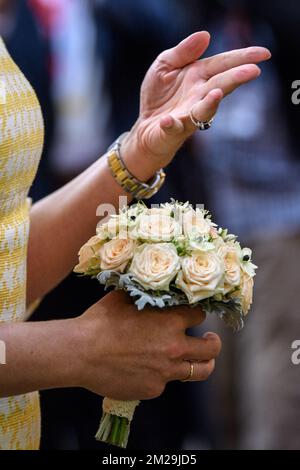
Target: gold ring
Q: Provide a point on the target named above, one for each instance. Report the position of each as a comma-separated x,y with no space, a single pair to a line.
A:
190,376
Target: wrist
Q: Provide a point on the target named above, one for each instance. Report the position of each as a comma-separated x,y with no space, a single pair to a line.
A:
131,167
87,333
139,160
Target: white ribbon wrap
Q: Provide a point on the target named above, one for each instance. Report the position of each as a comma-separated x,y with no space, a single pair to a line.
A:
123,409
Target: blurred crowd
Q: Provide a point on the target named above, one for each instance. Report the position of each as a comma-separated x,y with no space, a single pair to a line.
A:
86,60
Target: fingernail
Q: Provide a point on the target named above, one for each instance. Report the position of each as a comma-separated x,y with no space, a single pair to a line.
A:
268,52
209,334
217,93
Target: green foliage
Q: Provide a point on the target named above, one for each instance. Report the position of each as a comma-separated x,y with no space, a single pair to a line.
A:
230,311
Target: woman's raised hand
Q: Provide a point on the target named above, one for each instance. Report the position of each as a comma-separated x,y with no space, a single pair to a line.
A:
176,83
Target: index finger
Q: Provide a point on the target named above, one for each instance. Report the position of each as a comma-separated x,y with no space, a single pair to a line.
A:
190,316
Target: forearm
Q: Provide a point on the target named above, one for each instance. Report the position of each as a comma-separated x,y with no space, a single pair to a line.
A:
176,85
39,356
62,222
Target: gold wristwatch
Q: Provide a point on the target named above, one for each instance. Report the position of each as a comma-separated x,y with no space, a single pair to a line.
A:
122,175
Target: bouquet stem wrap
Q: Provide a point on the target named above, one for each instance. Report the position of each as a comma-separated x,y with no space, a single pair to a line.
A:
115,422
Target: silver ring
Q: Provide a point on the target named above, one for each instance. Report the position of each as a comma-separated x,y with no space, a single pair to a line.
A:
201,125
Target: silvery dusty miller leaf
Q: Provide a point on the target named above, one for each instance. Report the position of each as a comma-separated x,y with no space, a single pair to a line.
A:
229,311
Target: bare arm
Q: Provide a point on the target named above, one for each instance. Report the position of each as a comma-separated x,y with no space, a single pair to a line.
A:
39,356
62,222
112,350
176,83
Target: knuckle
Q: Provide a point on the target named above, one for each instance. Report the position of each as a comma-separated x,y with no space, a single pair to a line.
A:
241,74
177,321
205,65
251,55
174,350
226,58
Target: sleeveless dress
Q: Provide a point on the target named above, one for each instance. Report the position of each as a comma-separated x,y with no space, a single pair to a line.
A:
21,142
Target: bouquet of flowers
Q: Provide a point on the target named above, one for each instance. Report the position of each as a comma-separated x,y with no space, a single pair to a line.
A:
166,256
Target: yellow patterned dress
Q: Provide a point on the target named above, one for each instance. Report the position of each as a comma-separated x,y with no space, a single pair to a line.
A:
21,141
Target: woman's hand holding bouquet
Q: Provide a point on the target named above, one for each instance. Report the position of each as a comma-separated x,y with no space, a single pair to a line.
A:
142,350
168,256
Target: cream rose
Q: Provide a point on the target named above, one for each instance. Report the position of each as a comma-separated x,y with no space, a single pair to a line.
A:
156,227
115,254
194,222
246,292
88,255
109,229
213,232
231,257
201,275
154,266
158,211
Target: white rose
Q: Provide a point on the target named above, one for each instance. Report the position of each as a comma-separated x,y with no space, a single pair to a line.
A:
109,229
194,222
158,211
154,266
116,254
88,255
218,242
201,275
231,258
156,227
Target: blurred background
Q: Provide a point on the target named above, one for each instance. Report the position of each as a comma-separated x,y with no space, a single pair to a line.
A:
86,60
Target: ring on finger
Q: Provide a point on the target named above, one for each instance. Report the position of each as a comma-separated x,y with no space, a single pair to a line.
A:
201,125
191,373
